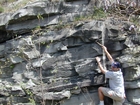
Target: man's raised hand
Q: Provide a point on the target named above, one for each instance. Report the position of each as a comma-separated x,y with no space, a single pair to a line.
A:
98,59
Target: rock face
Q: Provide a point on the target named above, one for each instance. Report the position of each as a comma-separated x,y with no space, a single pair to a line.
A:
48,50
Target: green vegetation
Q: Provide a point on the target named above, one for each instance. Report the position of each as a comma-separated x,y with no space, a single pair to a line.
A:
12,66
99,13
7,6
1,10
30,96
135,20
2,2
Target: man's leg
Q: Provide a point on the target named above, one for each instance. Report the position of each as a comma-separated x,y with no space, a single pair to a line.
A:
103,91
101,96
117,102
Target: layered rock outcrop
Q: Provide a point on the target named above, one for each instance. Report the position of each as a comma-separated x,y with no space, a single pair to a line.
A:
48,50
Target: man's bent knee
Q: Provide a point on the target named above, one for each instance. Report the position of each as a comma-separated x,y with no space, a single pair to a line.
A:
100,88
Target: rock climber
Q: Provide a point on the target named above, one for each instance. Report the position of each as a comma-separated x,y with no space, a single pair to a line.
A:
116,89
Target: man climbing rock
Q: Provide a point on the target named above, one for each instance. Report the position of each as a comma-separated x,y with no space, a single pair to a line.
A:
116,82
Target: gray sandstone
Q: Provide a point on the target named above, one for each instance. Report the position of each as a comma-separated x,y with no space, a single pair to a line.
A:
51,59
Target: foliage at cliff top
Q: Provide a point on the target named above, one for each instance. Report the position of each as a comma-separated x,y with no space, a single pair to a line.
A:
10,6
7,6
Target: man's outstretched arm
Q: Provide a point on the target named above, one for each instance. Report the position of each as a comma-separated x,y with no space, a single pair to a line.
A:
108,54
100,65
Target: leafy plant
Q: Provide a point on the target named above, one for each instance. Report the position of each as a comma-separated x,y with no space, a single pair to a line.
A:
79,18
13,7
30,94
1,10
99,13
135,20
12,66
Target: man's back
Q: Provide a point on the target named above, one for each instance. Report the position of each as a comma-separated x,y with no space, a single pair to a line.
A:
116,81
